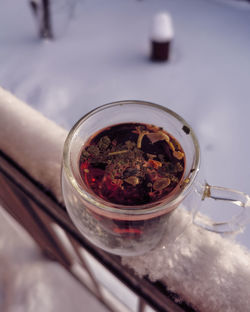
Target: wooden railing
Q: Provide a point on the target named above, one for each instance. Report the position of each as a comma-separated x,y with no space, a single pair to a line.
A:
48,224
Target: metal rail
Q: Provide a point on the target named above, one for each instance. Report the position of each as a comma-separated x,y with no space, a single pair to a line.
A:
48,224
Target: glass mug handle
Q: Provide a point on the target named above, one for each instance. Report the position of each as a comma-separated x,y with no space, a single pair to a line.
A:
229,196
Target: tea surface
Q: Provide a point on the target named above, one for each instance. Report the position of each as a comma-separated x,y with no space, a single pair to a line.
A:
132,164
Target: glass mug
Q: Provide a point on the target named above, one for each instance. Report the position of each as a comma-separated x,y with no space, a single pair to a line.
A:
134,230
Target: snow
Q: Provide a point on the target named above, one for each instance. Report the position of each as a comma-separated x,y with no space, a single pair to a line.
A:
210,272
29,282
101,54
38,153
162,28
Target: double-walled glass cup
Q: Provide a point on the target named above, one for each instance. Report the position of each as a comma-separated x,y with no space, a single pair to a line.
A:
134,230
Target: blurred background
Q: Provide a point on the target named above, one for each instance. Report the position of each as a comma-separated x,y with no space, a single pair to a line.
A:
86,53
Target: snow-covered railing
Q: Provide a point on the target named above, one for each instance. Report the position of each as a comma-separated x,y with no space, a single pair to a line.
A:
201,271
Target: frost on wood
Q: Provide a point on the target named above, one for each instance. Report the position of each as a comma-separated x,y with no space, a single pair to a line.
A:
210,272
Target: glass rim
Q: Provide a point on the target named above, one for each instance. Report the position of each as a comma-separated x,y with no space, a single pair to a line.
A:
150,208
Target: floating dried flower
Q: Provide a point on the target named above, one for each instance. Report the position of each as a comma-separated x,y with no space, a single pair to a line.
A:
179,155
119,168
158,136
93,150
171,145
160,184
154,163
132,180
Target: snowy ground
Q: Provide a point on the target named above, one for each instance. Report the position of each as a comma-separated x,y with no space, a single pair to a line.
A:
29,282
101,54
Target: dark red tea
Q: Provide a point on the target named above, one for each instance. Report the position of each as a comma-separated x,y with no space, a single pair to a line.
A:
132,164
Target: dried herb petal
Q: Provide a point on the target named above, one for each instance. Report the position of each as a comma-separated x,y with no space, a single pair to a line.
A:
129,144
93,150
132,180
126,169
104,142
85,154
160,184
179,155
158,136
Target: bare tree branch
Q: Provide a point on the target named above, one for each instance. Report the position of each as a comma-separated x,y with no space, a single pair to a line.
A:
42,13
46,27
